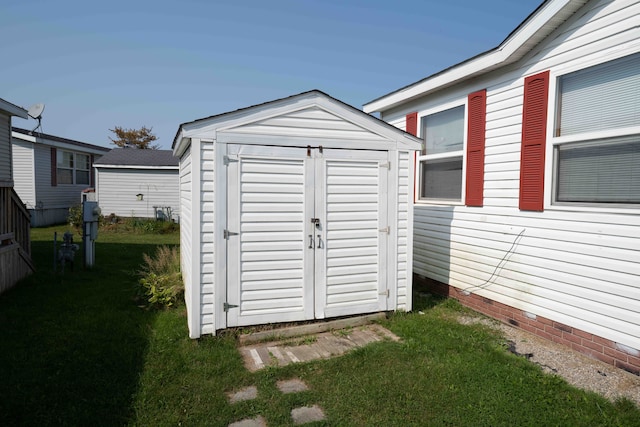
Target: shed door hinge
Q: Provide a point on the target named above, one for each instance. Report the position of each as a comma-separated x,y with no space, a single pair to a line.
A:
387,230
385,293
228,234
386,165
226,306
227,159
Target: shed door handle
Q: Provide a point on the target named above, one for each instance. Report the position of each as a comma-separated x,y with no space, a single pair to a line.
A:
319,242
310,241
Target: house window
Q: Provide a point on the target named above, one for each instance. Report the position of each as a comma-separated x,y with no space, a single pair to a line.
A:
441,159
597,135
73,168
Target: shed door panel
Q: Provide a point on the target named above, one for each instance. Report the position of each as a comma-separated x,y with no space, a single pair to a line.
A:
350,277
267,263
282,266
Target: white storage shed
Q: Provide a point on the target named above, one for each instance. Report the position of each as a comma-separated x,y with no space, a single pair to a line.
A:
292,210
138,183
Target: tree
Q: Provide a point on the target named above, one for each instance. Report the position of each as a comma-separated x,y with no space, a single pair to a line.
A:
137,138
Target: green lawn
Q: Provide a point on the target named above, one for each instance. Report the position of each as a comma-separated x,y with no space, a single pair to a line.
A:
77,350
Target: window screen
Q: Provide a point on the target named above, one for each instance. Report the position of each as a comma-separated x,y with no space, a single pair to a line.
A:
599,171
444,131
606,96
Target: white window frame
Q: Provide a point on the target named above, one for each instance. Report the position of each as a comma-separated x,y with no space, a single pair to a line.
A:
555,141
461,102
74,168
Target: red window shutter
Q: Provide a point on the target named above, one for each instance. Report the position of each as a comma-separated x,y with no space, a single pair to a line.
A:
91,172
54,167
534,135
476,126
412,123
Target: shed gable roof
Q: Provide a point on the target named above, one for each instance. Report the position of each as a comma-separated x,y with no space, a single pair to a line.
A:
312,114
540,24
137,157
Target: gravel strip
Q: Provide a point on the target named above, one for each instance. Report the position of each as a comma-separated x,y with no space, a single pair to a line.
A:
577,369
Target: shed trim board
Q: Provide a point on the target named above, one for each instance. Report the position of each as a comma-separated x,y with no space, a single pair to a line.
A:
572,262
273,168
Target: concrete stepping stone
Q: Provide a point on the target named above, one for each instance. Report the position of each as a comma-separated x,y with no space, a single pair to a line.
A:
294,385
327,344
247,393
307,414
258,421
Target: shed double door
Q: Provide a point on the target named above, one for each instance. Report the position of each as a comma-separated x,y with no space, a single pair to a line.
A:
311,236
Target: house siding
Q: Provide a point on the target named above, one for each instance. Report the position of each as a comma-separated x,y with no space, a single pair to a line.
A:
578,267
5,148
118,188
24,175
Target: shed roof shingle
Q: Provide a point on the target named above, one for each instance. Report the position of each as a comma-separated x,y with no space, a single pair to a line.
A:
138,157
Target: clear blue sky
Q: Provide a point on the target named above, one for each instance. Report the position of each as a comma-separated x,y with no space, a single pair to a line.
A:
97,65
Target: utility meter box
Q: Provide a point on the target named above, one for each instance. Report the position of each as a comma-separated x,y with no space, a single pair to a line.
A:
90,217
90,211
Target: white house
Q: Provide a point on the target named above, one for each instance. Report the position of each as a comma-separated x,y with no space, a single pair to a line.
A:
528,187
138,183
50,173
295,209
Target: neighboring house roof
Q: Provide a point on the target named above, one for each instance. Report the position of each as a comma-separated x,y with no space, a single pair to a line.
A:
540,24
13,109
138,158
56,141
310,97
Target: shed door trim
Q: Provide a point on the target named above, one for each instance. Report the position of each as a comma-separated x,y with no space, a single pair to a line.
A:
276,271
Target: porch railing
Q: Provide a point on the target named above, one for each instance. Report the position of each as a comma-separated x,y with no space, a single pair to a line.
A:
15,225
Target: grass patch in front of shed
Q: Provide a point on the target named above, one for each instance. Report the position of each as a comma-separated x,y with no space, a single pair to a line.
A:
78,351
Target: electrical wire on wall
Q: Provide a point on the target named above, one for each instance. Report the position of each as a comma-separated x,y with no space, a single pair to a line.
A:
503,261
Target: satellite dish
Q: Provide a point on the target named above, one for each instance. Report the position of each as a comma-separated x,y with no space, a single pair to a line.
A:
36,110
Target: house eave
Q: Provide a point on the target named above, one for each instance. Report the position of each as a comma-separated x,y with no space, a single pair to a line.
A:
13,109
539,25
147,167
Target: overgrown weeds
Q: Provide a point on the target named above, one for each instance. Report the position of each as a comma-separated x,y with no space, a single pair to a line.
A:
161,280
114,223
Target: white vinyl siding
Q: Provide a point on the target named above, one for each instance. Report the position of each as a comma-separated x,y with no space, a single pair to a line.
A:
24,175
207,245
5,148
118,188
578,266
186,209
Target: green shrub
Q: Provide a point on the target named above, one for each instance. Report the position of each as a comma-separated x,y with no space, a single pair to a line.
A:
161,281
75,217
